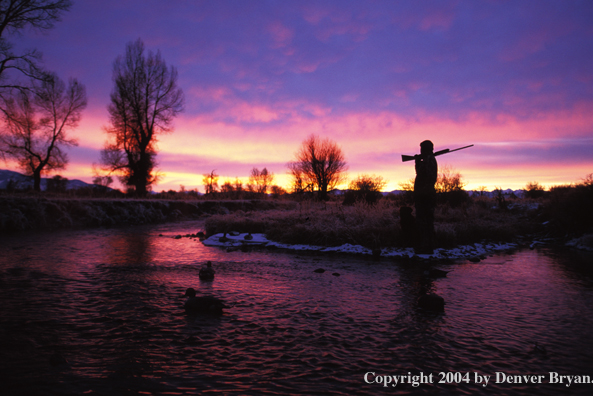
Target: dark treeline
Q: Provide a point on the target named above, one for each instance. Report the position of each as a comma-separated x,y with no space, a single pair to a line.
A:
560,212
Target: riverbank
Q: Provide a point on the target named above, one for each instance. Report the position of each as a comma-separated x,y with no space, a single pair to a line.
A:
380,226
30,213
478,222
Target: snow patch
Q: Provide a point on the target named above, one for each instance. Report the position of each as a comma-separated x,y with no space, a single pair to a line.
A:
583,243
460,252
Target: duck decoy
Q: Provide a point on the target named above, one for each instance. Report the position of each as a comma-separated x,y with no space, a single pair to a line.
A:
432,302
203,304
248,237
207,272
436,273
223,238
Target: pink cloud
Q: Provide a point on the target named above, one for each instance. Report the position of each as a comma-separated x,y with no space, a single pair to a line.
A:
437,20
372,143
525,46
281,35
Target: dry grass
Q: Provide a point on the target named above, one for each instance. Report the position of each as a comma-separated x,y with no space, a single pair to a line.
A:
316,223
332,224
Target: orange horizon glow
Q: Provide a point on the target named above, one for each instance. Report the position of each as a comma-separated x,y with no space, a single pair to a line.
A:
377,78
204,144
232,152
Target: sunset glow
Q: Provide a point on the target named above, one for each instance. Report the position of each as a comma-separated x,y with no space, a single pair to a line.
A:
513,78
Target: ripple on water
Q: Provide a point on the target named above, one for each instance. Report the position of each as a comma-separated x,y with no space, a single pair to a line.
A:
110,302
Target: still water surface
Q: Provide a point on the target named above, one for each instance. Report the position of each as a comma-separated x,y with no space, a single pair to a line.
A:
99,312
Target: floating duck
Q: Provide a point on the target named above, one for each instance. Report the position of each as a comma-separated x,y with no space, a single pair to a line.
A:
432,302
248,237
206,272
436,273
223,238
203,304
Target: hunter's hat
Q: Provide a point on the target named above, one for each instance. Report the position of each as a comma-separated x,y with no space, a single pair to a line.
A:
426,145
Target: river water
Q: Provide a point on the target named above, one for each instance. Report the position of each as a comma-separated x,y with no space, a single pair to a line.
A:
99,312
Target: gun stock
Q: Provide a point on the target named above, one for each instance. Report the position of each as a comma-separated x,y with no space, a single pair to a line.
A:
406,158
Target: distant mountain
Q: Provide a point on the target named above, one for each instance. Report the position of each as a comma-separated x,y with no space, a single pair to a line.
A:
508,192
21,181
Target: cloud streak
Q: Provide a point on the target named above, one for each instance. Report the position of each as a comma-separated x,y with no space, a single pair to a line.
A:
513,78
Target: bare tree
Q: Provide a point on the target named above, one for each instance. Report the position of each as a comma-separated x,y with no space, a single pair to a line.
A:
277,191
144,102
227,188
57,184
365,188
449,180
210,181
298,179
238,185
534,190
37,124
15,15
407,185
103,181
319,164
261,180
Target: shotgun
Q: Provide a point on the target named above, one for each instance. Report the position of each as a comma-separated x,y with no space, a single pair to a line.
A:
445,151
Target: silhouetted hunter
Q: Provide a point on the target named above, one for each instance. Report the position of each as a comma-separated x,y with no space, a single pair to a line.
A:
425,196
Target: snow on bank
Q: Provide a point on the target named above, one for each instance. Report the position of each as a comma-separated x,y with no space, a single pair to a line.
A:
236,240
583,243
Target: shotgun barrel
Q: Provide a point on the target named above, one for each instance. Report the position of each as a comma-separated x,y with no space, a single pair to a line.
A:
406,158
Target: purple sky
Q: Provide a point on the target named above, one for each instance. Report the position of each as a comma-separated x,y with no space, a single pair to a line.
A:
514,78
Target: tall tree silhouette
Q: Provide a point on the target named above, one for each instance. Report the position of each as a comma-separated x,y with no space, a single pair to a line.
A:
210,181
144,102
16,69
261,180
319,164
37,122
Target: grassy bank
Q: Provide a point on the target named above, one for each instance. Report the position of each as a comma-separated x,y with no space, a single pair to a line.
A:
564,212
23,212
332,224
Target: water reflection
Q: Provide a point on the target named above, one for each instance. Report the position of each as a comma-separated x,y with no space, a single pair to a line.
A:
129,248
110,302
